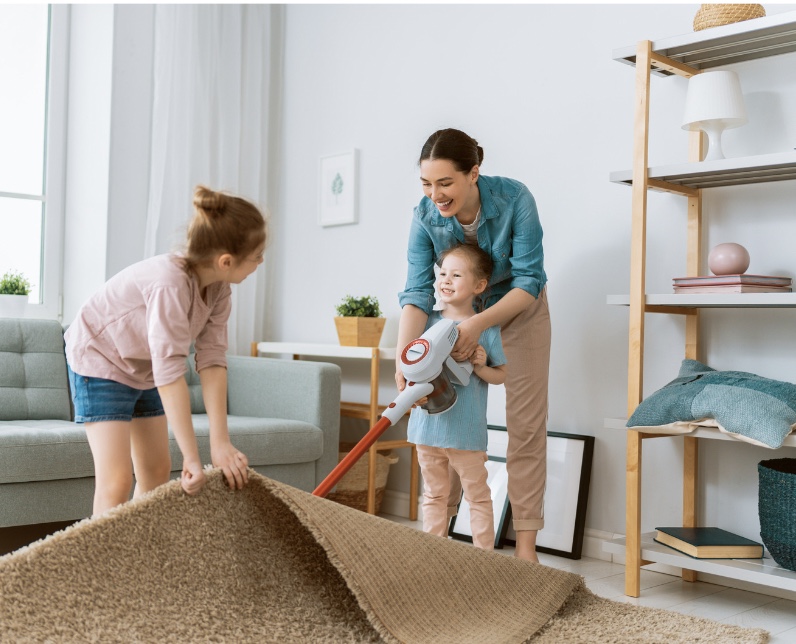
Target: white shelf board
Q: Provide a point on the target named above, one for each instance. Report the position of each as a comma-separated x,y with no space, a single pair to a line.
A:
780,166
324,350
734,43
712,433
713,300
758,571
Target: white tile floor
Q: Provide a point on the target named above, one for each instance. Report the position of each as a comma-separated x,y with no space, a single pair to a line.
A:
728,605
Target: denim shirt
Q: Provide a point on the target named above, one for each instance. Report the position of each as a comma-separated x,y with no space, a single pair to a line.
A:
509,231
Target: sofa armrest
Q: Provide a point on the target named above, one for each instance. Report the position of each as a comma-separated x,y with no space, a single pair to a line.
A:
295,390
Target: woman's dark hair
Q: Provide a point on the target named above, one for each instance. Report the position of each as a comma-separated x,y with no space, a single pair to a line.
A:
455,146
222,223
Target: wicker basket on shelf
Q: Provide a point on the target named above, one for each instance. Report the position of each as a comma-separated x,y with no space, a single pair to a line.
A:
716,15
777,509
352,489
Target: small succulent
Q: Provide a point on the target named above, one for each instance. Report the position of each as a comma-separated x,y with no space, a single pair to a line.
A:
14,284
359,307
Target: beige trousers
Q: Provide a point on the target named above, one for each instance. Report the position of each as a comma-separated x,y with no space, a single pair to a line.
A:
472,475
526,343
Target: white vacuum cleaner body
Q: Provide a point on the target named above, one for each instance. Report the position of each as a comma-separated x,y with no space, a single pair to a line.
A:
430,372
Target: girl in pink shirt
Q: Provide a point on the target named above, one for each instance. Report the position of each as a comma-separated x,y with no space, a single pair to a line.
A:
127,351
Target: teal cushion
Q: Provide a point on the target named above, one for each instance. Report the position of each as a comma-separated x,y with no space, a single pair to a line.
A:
742,403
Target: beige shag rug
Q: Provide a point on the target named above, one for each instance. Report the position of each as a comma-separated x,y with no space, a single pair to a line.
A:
274,564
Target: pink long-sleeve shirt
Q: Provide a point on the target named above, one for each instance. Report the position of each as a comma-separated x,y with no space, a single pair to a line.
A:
138,328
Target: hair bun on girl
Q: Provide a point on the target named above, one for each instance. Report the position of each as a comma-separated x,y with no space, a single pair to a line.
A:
209,201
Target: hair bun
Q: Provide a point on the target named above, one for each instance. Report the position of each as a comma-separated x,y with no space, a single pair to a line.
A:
212,203
480,153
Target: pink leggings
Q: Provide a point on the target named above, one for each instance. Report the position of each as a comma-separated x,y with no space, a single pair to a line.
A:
469,465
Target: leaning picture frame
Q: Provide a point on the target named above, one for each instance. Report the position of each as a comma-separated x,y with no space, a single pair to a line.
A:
497,479
337,189
569,462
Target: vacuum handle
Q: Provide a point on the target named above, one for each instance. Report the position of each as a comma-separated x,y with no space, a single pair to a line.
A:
411,394
351,458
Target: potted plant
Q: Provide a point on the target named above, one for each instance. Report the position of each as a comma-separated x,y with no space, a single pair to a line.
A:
359,322
14,291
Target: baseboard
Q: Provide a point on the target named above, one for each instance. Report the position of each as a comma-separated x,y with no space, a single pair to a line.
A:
396,503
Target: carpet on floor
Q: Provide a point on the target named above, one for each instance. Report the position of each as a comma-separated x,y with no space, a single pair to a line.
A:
271,563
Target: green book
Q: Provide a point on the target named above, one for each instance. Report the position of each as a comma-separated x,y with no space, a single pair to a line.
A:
709,543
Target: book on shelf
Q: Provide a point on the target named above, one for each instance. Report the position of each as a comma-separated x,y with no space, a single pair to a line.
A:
732,288
709,543
743,278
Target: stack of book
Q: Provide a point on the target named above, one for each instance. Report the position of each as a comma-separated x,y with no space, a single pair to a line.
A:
709,543
743,283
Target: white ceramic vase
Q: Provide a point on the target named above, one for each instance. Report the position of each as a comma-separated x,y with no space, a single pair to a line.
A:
13,306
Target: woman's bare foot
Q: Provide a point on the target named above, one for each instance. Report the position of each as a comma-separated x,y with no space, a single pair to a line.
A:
526,546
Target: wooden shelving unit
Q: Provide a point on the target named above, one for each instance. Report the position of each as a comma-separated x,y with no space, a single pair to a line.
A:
687,56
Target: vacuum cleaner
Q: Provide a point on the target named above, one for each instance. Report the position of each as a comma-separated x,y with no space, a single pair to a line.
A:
430,373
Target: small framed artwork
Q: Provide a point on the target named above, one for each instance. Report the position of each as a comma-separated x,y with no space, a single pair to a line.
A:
498,480
569,460
338,189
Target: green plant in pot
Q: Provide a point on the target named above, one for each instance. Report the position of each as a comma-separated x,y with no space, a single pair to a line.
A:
359,322
14,291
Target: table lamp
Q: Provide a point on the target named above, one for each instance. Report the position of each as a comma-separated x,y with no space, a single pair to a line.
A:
713,103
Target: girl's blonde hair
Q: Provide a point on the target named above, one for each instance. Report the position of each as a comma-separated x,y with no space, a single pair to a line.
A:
222,223
481,263
479,259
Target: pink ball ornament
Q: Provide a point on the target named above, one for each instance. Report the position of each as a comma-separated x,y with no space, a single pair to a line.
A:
728,259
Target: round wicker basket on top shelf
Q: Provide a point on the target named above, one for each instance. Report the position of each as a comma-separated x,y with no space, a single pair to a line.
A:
716,15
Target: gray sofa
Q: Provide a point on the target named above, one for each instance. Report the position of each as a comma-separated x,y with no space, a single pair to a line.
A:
284,415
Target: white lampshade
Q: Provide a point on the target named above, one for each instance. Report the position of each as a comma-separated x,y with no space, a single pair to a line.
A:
714,102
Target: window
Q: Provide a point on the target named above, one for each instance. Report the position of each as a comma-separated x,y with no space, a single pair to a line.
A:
32,77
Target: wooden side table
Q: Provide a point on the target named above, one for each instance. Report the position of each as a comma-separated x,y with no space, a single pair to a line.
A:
369,411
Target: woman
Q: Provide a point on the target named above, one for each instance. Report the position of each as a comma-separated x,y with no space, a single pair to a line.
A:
500,216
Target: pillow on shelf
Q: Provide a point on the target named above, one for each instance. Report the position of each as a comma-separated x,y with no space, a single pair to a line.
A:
762,409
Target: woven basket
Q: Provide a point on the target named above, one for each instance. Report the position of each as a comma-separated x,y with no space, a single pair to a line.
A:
716,15
352,489
777,509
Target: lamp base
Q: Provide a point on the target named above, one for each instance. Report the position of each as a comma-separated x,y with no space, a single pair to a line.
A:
714,131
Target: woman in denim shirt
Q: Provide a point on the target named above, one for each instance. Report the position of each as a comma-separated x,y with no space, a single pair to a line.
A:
500,216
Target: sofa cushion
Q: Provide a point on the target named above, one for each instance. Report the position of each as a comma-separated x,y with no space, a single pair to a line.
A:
33,382
46,450
43,450
265,441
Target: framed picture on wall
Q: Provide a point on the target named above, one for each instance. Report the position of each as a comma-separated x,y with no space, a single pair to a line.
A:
337,189
497,479
569,460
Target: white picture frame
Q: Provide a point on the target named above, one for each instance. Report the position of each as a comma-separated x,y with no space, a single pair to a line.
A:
337,189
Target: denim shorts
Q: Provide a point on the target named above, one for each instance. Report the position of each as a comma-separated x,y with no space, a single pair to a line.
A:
97,400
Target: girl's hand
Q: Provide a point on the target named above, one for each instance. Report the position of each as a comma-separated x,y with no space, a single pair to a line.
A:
467,341
233,464
193,477
479,357
401,382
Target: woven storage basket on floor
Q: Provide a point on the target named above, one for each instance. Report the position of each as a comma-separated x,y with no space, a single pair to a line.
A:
716,15
352,489
777,509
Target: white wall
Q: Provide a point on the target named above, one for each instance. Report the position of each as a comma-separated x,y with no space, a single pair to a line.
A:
536,85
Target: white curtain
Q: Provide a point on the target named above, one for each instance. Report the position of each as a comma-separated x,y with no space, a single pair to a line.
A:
214,86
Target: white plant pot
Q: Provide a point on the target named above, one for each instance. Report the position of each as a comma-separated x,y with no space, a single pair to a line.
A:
13,306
